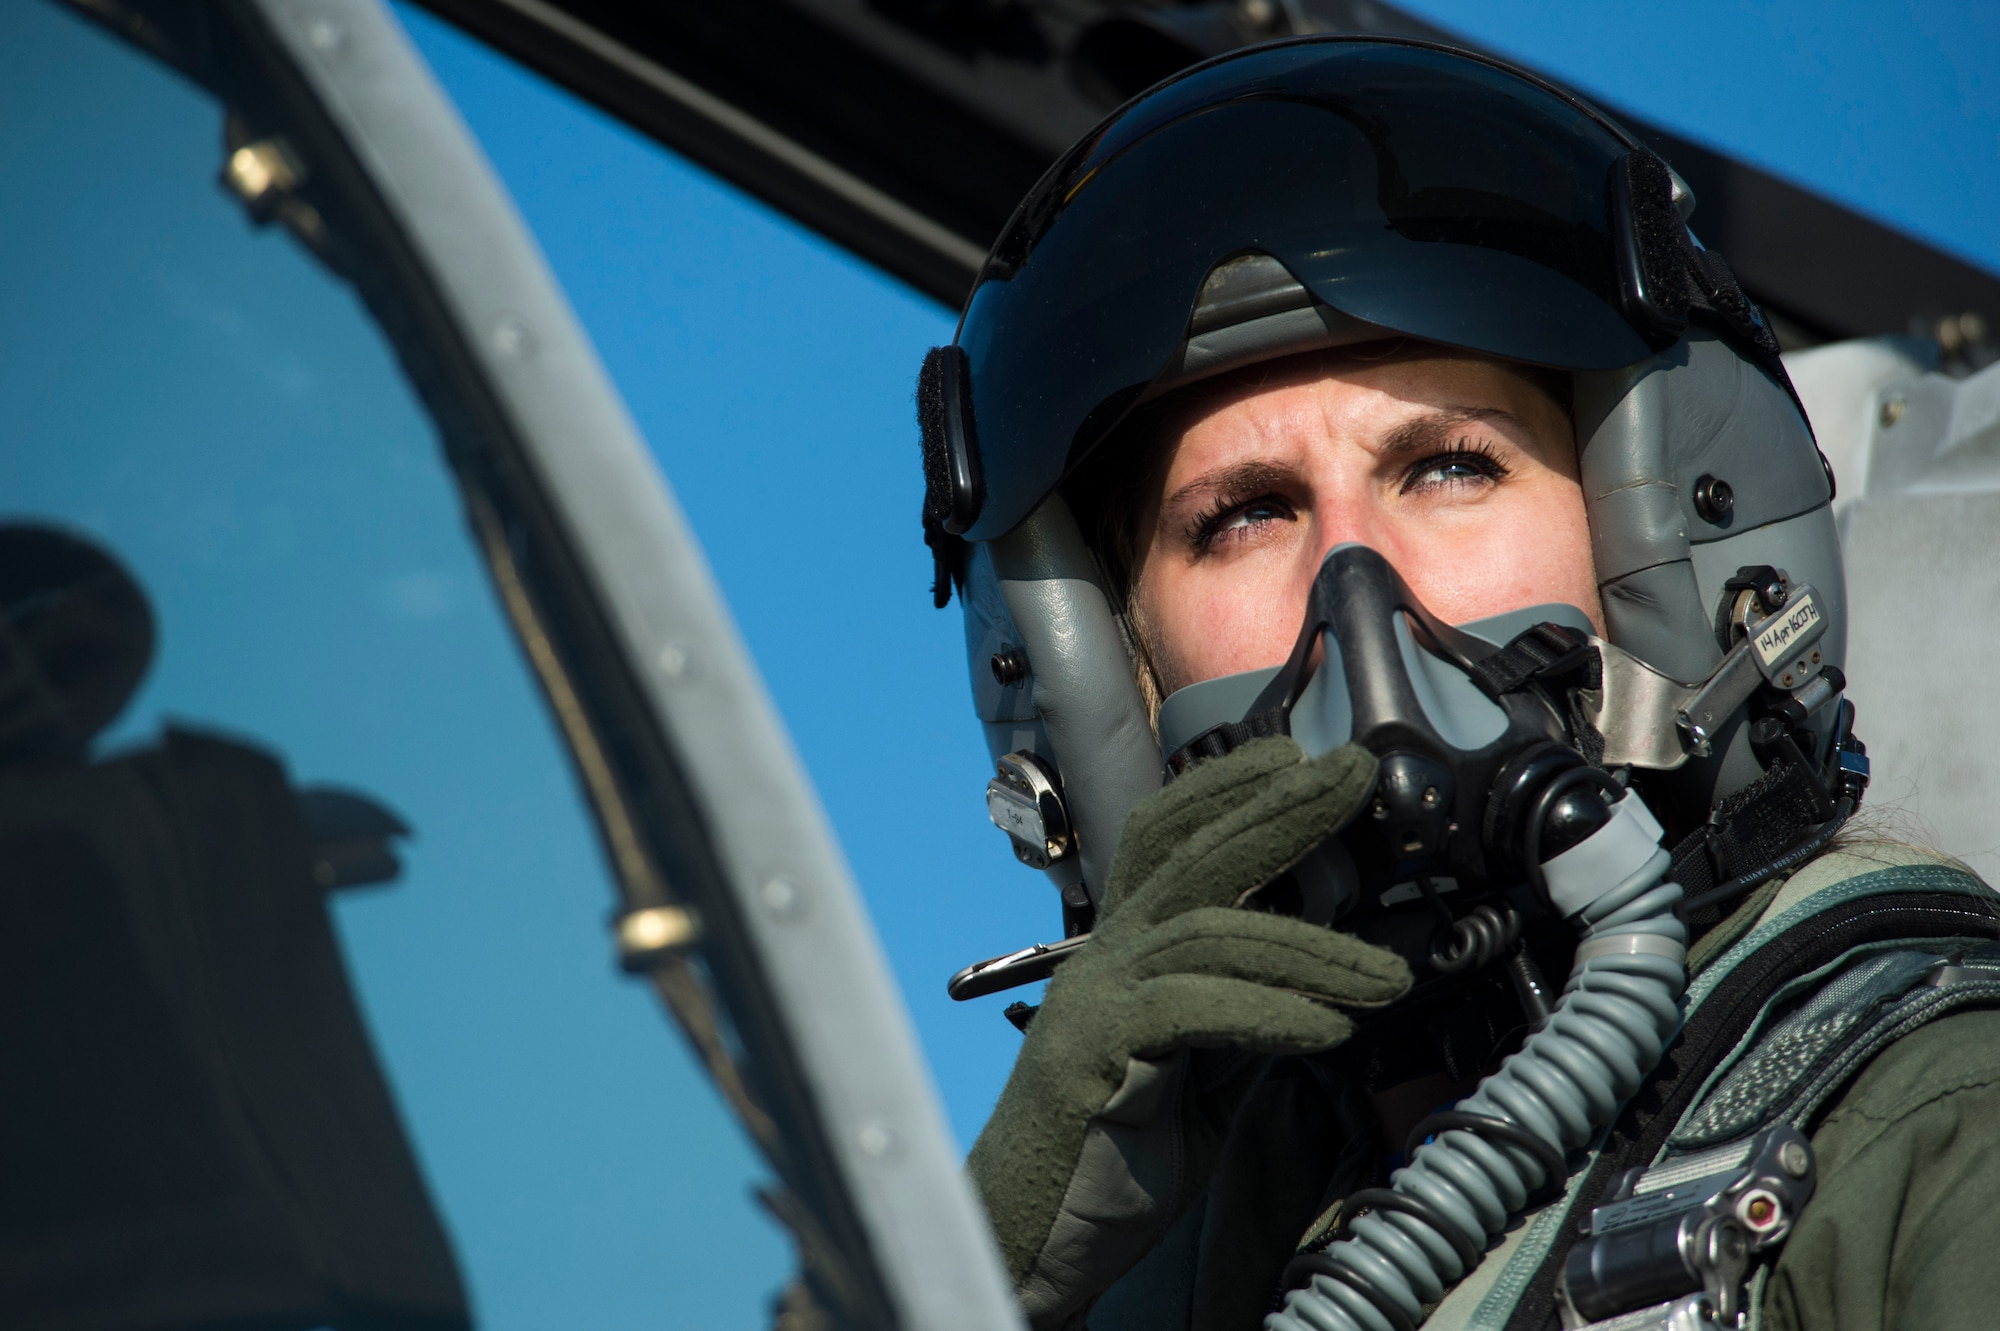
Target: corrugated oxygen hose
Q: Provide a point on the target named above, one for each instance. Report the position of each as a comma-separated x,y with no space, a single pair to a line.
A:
1504,1143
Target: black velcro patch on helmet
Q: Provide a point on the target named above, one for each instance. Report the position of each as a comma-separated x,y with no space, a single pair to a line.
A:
1659,235
952,484
1722,294
1666,276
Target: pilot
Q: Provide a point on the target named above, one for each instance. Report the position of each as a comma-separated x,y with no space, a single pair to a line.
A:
1398,571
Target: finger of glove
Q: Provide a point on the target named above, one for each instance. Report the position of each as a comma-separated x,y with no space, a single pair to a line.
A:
1251,844
1276,951
1216,1012
1207,791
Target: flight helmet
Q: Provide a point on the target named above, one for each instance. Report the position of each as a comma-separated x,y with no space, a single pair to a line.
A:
1328,192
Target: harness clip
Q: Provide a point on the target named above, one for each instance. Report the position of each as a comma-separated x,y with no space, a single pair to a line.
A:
1675,1240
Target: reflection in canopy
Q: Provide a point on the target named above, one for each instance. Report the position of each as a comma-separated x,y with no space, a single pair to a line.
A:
195,1126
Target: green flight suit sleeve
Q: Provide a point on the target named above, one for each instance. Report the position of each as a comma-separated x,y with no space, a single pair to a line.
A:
1904,1231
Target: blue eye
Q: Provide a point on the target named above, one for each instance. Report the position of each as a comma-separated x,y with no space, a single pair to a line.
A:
1449,471
1461,466
1239,521
1252,515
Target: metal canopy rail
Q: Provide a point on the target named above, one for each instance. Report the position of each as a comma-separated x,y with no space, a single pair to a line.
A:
735,901
906,130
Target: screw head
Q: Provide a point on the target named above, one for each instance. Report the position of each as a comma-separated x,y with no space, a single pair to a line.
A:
1793,1159
781,896
1713,499
876,1138
1010,666
511,337
674,661
325,35
1892,411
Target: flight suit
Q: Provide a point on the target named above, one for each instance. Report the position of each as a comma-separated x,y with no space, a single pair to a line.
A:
1904,1231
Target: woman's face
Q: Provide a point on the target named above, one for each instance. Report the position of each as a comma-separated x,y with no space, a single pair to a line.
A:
1462,474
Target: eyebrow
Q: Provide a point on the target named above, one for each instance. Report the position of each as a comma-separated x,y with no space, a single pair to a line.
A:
1237,479
1426,433
1433,429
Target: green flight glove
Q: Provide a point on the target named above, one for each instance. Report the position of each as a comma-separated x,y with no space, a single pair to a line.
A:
1151,1035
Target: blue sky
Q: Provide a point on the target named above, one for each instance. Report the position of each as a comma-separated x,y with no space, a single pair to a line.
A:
1889,106
265,471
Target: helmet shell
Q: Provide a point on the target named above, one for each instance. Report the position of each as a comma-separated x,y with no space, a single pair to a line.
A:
1330,191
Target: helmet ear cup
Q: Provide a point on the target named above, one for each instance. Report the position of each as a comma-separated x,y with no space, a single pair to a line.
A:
954,488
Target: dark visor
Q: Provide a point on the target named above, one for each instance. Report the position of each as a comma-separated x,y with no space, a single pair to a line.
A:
1423,191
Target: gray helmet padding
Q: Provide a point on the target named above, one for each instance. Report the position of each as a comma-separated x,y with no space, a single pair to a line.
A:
1038,588
1251,309
1007,712
989,630
1645,435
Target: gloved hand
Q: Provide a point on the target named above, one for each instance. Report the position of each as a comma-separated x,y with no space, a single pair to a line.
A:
1150,1035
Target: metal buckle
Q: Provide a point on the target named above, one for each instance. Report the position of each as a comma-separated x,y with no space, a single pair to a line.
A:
1024,801
1686,1228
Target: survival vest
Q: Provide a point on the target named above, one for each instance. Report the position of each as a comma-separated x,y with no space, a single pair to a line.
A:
1857,949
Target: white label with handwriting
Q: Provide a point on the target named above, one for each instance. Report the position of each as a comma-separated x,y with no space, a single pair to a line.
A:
1788,631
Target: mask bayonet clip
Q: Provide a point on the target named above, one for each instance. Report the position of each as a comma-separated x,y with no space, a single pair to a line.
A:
1650,720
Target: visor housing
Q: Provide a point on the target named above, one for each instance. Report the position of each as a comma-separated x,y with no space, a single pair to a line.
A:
1416,190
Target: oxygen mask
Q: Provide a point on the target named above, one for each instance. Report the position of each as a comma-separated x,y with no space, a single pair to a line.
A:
1486,772
1484,749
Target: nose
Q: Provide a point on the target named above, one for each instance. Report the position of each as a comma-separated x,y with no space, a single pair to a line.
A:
1344,514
